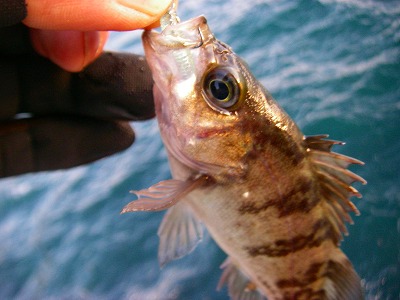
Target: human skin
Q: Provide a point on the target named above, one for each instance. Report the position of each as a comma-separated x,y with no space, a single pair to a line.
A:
72,33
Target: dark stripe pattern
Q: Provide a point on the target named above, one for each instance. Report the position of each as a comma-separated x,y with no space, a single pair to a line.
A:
301,198
281,141
321,231
345,282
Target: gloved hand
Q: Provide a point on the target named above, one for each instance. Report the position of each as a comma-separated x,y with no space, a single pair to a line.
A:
51,118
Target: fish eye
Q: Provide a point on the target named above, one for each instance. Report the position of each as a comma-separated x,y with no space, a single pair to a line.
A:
222,88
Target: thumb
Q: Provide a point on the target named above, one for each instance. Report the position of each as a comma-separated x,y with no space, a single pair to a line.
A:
86,15
72,50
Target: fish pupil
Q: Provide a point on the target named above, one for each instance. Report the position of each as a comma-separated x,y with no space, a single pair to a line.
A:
219,89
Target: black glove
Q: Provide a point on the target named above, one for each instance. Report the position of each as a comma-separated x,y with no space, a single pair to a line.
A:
52,119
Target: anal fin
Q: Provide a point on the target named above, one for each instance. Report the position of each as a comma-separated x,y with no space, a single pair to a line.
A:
240,287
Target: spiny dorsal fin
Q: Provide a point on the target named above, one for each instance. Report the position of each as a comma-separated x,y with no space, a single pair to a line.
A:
179,232
239,285
334,177
319,142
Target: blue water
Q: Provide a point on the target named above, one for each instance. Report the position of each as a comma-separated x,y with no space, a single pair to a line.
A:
333,65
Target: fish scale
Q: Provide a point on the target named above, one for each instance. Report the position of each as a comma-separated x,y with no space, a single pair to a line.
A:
273,199
265,238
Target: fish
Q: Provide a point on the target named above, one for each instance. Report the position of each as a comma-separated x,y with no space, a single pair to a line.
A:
275,200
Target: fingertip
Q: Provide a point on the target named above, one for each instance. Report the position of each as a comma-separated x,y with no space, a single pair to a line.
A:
94,15
153,25
71,50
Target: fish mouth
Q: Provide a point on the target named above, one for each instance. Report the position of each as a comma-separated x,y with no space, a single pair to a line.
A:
190,34
175,51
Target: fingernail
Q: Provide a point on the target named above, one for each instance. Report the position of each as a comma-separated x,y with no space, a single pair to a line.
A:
150,7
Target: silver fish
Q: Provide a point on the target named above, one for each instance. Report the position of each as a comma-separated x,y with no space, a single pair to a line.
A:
274,200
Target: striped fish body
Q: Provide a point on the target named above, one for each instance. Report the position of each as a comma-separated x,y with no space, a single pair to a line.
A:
279,232
274,200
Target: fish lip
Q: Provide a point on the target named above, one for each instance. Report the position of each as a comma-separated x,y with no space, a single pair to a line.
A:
189,34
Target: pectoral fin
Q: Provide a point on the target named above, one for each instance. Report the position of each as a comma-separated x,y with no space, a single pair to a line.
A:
179,232
163,194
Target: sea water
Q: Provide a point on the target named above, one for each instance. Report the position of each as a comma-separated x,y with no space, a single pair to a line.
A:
333,65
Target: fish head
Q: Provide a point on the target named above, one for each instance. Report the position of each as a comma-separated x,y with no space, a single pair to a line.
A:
209,106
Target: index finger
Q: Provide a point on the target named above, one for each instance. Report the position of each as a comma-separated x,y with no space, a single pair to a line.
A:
93,14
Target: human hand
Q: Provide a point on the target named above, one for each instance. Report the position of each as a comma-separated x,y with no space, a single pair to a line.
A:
74,118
